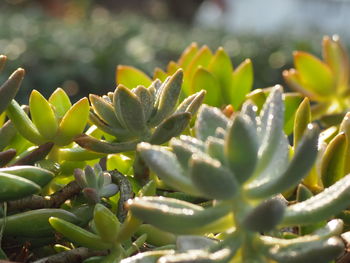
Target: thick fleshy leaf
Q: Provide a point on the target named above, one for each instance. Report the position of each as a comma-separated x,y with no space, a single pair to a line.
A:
7,156
9,89
107,224
61,101
166,166
221,68
291,104
308,250
174,215
215,147
258,97
172,67
333,161
192,103
302,119
101,146
241,148
315,75
298,168
23,124
183,151
131,77
73,122
146,98
208,120
271,127
265,216
242,83
42,115
187,55
198,256
202,58
167,98
159,74
7,134
344,127
105,111
337,59
321,206
170,127
203,79
293,79
129,111
212,179
147,257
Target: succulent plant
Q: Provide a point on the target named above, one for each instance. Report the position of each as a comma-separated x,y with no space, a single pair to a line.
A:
95,183
141,114
242,164
323,81
202,70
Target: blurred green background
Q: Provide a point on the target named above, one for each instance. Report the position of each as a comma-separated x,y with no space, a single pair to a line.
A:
77,44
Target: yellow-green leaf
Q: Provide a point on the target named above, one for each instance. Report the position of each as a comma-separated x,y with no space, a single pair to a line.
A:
159,74
131,77
291,102
187,56
73,122
203,79
337,59
60,100
332,166
42,115
172,67
242,83
302,119
221,67
202,58
315,75
23,124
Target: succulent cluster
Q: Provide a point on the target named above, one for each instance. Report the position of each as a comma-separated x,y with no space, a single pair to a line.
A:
129,178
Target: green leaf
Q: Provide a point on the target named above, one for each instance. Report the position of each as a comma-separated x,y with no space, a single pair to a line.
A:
187,56
297,169
212,179
221,68
203,79
265,216
183,151
321,206
23,124
271,127
202,58
170,127
129,111
159,74
9,89
337,59
167,98
291,102
166,166
106,223
321,251
242,83
78,235
73,122
192,103
42,115
302,119
60,100
215,148
146,98
293,78
208,120
333,161
104,110
131,77
241,148
315,75
174,215
101,146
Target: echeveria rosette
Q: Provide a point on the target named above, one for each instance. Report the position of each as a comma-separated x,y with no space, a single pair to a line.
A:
323,81
140,115
243,164
95,183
